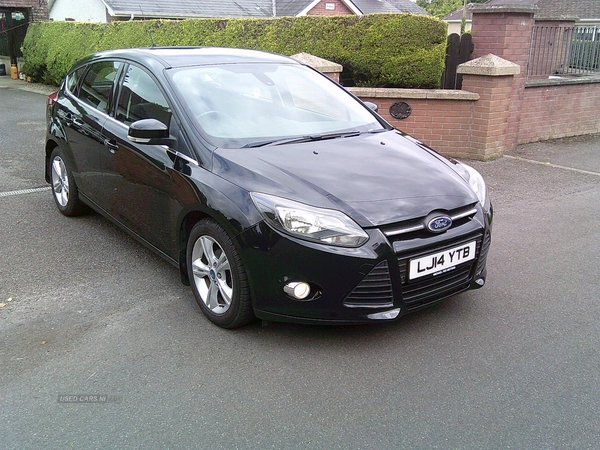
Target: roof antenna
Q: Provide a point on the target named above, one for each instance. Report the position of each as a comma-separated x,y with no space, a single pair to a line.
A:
146,28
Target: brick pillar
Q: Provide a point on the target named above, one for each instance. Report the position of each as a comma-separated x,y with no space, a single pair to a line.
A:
331,69
39,11
505,31
493,78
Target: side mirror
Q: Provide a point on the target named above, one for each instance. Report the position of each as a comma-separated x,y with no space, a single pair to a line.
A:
149,131
372,106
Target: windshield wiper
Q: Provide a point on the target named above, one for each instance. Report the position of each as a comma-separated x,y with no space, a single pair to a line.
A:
278,141
309,138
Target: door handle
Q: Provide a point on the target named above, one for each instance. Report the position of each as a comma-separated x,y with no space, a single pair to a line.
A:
68,118
76,122
112,145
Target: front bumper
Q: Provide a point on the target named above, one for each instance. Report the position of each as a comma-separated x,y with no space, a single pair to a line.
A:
360,285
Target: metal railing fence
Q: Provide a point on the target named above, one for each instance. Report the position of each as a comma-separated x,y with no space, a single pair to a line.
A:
564,50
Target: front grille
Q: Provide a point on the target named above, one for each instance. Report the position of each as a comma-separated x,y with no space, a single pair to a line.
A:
374,291
416,227
431,288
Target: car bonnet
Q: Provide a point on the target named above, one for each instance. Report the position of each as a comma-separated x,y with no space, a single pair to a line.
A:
374,178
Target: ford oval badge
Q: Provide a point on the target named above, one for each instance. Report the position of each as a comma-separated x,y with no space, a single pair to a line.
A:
439,224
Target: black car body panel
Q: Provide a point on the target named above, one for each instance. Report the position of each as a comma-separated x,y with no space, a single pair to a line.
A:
415,184
386,182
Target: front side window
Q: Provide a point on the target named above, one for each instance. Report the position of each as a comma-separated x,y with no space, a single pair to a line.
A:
98,84
140,98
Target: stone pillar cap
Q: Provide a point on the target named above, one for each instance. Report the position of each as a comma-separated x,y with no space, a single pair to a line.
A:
322,65
504,6
489,65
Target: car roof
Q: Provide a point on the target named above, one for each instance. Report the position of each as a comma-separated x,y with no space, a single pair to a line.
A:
171,57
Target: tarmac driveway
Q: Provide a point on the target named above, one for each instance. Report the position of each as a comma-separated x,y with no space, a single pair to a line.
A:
101,347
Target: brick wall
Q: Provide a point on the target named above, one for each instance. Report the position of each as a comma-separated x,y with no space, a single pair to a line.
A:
444,125
38,9
507,34
560,110
321,8
441,119
497,108
537,110
474,124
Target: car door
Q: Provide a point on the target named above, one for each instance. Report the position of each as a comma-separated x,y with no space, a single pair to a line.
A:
82,111
146,184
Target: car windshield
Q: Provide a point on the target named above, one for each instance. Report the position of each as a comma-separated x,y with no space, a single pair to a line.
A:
237,105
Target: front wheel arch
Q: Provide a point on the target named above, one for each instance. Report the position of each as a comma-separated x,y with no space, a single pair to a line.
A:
187,224
217,275
185,228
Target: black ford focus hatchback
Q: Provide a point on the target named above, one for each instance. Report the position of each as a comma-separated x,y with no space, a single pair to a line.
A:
277,193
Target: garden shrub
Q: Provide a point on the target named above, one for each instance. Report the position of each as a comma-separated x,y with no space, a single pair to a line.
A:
377,50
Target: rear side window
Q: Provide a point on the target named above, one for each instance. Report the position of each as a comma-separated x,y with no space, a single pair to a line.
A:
73,80
140,98
98,84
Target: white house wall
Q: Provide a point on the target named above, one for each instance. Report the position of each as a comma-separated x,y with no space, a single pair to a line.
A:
454,26
80,10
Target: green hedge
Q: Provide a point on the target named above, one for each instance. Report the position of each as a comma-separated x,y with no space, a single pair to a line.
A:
379,50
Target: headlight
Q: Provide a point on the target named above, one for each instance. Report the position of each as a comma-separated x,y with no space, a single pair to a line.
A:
476,182
326,226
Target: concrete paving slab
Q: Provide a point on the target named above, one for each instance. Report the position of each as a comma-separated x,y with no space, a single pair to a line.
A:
7,82
580,152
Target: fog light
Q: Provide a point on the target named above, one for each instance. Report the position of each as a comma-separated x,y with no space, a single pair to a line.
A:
386,315
297,289
480,281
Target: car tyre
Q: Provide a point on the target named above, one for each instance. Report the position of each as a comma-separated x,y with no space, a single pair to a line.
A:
218,277
64,189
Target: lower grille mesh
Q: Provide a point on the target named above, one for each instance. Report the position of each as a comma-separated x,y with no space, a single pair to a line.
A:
374,291
485,247
421,292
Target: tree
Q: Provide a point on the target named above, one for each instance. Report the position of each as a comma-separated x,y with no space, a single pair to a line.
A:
440,8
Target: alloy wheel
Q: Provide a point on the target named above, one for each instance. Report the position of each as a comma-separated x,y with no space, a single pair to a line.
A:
212,274
60,181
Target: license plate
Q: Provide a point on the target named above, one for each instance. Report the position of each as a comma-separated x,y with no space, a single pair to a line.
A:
441,262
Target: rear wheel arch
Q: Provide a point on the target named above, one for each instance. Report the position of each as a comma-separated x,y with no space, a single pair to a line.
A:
64,188
50,146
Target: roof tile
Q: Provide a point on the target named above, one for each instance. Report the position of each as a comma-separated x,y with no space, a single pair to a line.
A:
243,8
